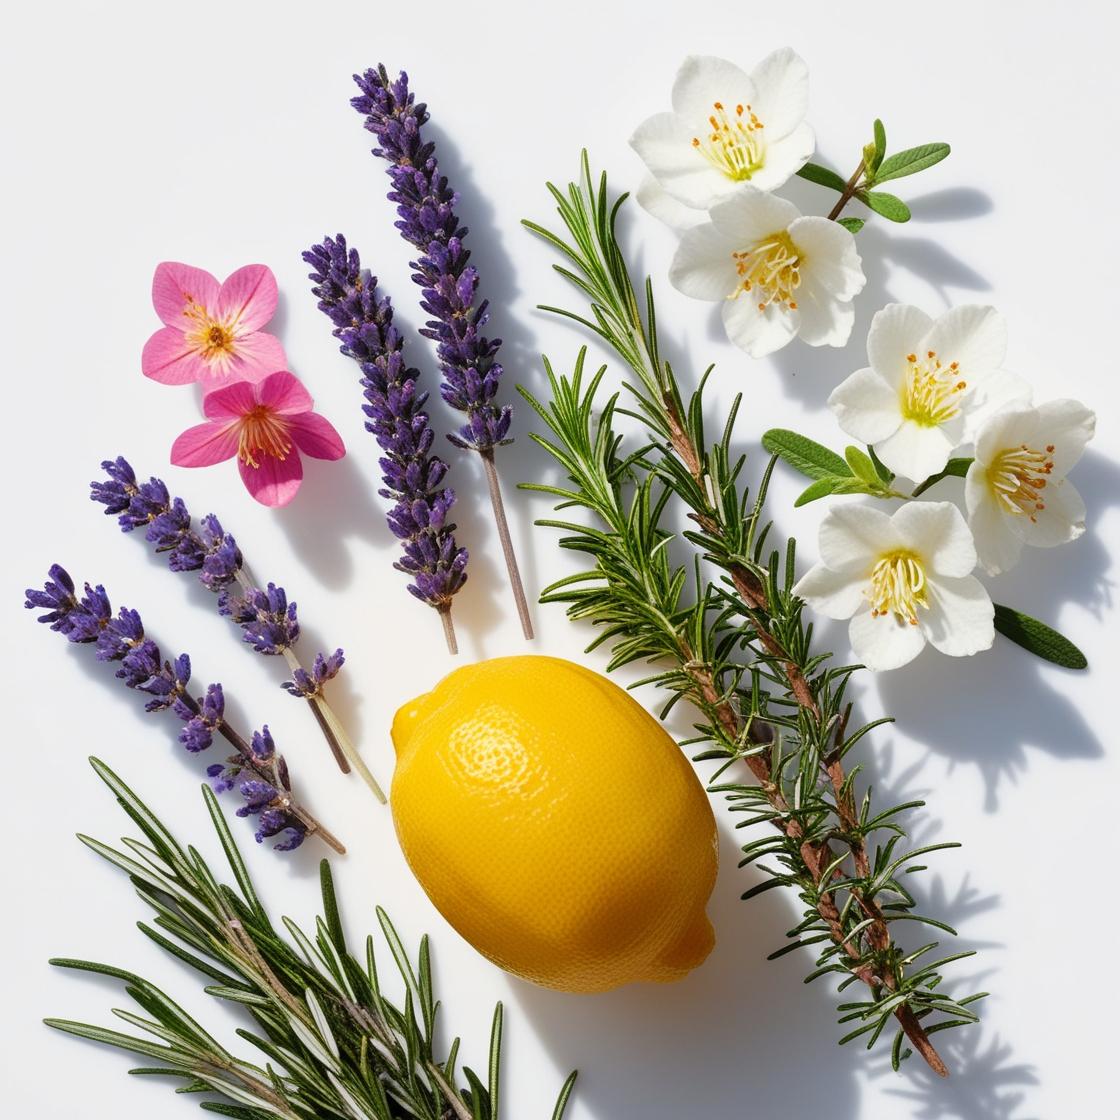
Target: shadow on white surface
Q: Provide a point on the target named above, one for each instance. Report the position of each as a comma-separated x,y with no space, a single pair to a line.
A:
1018,702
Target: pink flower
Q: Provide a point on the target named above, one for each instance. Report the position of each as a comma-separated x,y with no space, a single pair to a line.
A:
266,425
213,332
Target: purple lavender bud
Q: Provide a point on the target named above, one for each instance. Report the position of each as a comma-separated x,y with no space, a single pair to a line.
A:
394,406
223,777
268,621
56,598
295,835
310,684
258,796
262,745
92,615
222,559
199,727
167,524
427,220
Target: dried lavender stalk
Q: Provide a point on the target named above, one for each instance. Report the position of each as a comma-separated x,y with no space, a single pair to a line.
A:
258,773
412,475
427,220
268,621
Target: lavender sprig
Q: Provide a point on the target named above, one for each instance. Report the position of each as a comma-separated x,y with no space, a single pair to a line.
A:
412,475
258,773
449,283
269,622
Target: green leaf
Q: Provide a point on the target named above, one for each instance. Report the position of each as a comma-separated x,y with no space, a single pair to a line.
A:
885,474
887,205
1038,638
880,149
832,484
823,176
911,161
803,454
954,468
862,466
853,225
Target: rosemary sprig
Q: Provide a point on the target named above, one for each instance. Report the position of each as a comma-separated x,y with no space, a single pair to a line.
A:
334,1047
739,651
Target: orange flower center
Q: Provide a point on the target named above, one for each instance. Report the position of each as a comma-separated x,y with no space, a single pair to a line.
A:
732,144
211,338
770,271
1017,478
262,432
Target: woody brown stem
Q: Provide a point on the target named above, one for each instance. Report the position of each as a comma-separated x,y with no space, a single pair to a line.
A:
816,856
502,524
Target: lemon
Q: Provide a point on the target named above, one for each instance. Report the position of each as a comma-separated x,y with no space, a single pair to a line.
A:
555,824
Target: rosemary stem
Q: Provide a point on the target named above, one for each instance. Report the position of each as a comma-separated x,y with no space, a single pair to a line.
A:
448,628
846,196
502,524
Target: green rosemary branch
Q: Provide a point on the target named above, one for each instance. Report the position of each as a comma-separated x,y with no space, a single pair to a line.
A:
739,649
334,1047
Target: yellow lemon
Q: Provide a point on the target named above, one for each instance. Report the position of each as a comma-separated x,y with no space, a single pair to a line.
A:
555,824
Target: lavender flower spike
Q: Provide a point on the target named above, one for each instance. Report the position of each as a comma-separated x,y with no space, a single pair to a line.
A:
394,408
266,788
427,220
268,621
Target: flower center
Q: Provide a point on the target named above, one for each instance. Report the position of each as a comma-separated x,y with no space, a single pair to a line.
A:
213,340
932,391
733,146
262,432
1017,478
898,587
771,270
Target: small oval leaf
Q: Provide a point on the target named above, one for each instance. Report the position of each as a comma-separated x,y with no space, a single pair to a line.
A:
803,454
911,161
1038,638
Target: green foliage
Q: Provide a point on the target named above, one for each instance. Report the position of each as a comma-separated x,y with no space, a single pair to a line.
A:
891,208
855,473
954,468
823,176
875,167
735,646
1038,638
910,162
803,454
333,1046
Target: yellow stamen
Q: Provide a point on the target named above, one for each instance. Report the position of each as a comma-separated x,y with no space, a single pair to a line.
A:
733,147
770,270
899,587
262,432
931,391
212,338
1017,478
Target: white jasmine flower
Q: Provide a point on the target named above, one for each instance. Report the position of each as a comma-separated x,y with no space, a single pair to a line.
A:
728,128
928,387
779,274
1016,490
903,580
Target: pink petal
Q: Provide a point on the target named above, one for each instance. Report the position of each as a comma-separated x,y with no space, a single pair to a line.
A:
283,392
169,359
275,481
204,445
314,435
255,356
175,285
231,402
248,298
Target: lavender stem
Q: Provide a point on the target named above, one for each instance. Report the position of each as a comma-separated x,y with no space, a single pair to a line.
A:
507,544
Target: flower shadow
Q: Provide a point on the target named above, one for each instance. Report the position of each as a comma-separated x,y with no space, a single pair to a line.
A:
1017,703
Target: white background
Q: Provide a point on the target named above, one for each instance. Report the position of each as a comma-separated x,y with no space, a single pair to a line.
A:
219,134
